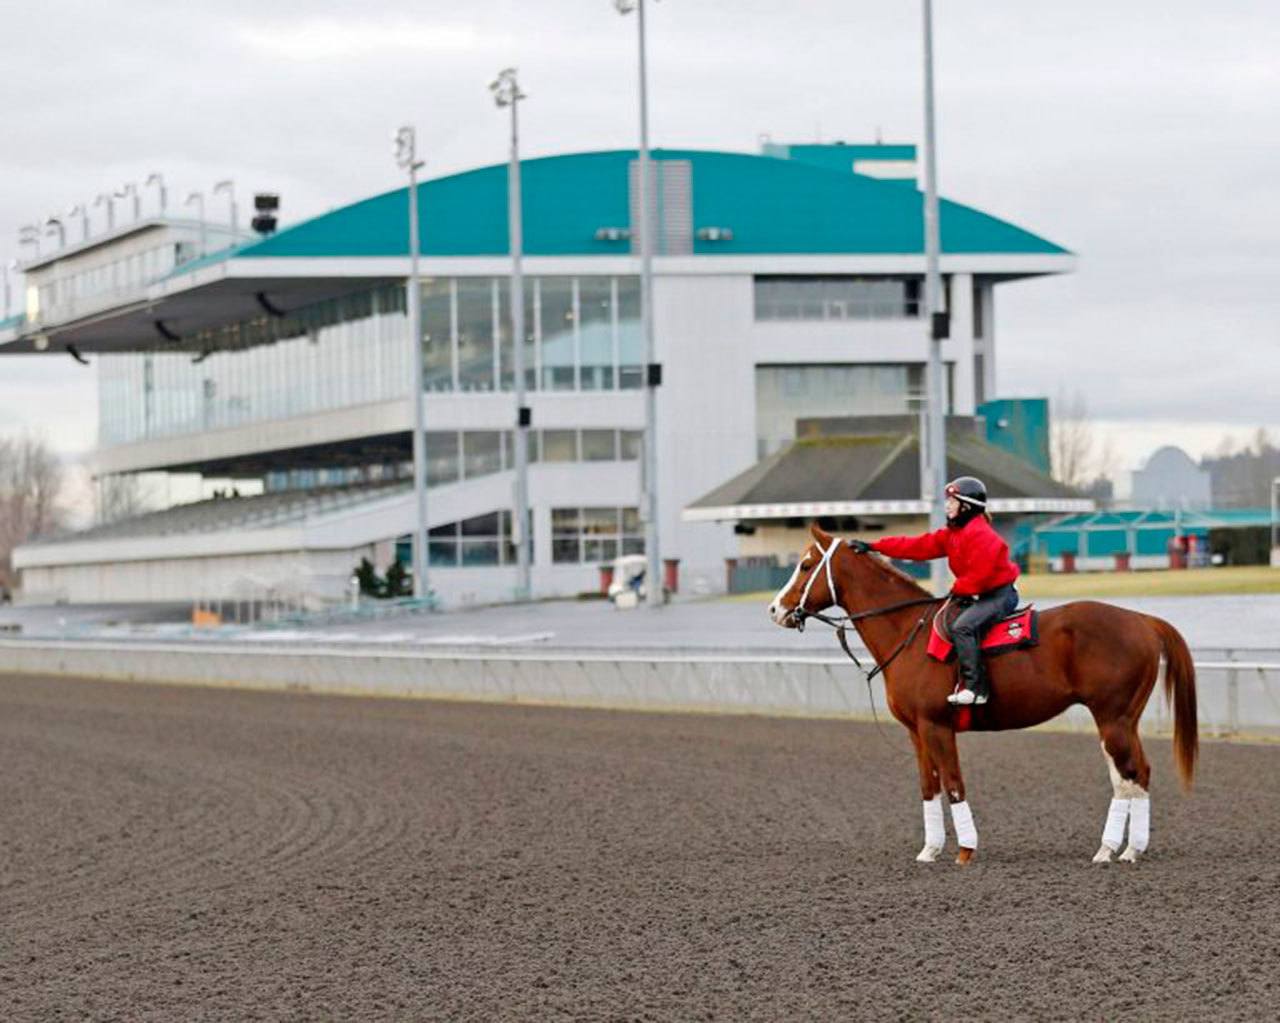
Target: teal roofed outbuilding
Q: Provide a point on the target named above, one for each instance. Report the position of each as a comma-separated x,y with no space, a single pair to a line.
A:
761,204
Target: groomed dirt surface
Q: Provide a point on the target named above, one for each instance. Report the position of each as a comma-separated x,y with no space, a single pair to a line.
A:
188,854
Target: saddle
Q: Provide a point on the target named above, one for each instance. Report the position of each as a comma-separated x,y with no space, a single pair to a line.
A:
1013,632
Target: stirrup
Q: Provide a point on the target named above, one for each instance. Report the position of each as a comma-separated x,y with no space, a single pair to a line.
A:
963,697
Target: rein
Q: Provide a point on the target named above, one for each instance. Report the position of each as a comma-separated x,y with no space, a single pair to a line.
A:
842,623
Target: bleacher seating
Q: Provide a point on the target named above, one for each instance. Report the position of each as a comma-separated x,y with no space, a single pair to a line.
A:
223,514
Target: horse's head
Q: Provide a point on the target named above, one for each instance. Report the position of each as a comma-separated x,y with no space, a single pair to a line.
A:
810,585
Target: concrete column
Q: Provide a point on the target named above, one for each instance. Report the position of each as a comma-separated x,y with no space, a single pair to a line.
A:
987,296
960,346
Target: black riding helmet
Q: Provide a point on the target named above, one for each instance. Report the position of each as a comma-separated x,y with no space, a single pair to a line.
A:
971,492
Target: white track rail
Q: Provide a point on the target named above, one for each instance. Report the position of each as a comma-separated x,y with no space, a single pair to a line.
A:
1239,690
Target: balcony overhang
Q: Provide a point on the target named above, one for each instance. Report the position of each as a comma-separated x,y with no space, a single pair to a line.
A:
167,315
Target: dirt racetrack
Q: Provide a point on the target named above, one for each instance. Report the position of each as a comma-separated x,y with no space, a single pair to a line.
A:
189,854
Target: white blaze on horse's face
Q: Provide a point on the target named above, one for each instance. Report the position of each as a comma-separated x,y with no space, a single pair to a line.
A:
779,610
786,599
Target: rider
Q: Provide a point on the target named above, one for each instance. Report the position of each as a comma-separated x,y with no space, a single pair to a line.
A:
979,560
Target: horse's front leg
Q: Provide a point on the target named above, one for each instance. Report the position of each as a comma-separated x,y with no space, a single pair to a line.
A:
935,828
940,744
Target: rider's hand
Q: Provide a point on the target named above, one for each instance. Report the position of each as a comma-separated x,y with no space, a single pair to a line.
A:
859,546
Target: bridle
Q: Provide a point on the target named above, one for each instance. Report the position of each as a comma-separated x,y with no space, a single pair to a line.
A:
841,623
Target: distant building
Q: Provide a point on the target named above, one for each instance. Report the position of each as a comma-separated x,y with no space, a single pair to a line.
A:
860,476
1171,479
1021,427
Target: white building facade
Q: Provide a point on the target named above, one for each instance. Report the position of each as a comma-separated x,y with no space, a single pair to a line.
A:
786,286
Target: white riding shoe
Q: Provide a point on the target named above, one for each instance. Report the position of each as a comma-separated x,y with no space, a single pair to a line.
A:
966,697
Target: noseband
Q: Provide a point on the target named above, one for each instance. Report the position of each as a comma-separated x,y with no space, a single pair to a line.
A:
799,613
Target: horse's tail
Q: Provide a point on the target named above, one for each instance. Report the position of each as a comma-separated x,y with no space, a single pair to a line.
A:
1180,692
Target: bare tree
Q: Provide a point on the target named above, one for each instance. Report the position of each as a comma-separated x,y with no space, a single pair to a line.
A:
1071,441
120,497
32,480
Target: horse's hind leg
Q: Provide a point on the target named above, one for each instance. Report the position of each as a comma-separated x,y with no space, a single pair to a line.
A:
1130,801
935,828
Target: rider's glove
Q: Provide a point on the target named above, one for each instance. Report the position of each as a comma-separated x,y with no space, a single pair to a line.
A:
859,546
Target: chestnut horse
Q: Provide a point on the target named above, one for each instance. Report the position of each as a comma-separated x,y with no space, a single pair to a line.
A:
1104,657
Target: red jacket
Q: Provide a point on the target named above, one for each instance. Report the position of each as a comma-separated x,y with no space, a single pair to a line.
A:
978,558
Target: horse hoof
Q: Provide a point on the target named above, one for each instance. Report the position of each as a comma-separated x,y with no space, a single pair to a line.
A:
965,856
1103,855
928,854
1130,855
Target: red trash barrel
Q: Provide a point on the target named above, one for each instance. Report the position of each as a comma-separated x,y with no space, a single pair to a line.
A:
1068,561
671,574
606,578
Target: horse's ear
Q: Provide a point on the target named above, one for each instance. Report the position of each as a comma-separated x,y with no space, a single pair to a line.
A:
820,535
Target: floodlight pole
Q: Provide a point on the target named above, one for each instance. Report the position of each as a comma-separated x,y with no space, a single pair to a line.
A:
406,157
506,93
935,315
652,371
229,187
198,199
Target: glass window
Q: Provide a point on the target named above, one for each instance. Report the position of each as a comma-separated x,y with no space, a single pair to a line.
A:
437,334
631,444
558,333
595,306
481,453
592,535
507,352
479,541
475,333
442,457
559,445
565,535
599,445
833,297
630,334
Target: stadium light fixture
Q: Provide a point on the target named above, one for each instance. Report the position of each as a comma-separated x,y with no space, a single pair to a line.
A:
29,234
406,156
53,225
229,187
506,93
197,199
157,179
106,199
82,211
653,372
129,190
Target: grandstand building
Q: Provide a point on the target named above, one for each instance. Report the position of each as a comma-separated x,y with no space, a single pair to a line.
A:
787,285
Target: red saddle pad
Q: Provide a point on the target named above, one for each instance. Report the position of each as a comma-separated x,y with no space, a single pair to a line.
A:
1019,630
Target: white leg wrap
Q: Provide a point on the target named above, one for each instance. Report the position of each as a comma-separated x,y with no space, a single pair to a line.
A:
966,830
1113,833
1139,823
935,826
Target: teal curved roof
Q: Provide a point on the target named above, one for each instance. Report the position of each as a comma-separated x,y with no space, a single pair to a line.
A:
771,205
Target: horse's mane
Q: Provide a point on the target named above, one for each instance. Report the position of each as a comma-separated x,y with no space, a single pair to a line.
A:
891,571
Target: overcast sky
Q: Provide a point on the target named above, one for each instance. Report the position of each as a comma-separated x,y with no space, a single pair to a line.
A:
1144,136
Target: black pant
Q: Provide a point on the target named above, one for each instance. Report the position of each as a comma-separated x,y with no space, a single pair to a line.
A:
972,622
